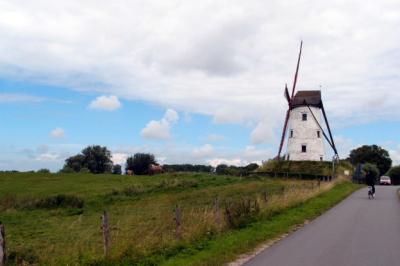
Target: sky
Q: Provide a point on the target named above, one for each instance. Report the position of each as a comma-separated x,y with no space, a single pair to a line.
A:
191,81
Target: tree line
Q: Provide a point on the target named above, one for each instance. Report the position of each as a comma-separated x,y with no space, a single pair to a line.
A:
97,160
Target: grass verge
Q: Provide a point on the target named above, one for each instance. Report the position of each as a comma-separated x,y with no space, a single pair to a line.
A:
227,247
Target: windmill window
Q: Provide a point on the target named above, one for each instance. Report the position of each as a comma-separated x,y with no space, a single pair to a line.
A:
303,148
319,134
304,117
291,133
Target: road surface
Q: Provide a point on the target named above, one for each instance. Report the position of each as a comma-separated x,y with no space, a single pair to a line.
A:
357,232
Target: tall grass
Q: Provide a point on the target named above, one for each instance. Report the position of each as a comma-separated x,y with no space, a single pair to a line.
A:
141,213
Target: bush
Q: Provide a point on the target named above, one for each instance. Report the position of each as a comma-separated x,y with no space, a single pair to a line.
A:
59,201
394,174
22,257
117,169
43,171
67,170
239,214
221,168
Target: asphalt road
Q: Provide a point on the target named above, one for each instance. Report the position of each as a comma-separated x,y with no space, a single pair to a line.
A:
358,231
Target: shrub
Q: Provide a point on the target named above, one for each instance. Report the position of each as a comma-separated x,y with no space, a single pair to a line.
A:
67,170
24,256
239,214
43,171
59,201
221,168
117,169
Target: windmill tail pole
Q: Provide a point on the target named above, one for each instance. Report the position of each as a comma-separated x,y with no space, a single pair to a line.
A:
297,70
329,130
283,133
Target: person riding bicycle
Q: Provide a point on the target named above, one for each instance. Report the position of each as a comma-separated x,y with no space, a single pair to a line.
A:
370,180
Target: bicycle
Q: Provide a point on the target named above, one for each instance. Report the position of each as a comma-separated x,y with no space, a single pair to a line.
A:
370,194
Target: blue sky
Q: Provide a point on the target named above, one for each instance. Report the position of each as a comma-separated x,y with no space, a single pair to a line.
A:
191,82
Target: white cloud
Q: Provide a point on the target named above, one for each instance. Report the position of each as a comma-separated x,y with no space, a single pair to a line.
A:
216,161
171,116
107,103
27,98
263,132
395,155
47,157
160,129
19,97
57,133
206,150
229,68
119,158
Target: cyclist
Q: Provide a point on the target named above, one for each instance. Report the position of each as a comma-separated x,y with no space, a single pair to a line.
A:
370,180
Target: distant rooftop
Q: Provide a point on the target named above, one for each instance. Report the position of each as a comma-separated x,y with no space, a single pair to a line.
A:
312,98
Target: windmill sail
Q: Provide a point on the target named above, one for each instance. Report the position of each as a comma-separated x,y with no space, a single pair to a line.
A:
289,99
297,70
287,96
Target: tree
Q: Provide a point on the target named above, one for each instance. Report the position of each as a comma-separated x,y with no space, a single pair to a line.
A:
372,154
394,174
372,168
251,167
221,169
96,159
84,170
140,163
117,169
76,163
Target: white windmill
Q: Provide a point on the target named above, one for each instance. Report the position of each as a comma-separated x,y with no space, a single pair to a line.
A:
303,124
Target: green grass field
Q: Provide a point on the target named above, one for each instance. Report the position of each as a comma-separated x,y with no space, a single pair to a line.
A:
47,224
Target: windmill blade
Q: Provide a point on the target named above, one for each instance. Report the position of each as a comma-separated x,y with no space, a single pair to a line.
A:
319,125
287,96
297,70
283,133
329,130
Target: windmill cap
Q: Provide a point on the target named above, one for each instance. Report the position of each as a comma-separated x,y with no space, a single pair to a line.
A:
311,97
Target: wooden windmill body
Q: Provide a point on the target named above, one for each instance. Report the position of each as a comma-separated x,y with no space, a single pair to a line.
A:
303,122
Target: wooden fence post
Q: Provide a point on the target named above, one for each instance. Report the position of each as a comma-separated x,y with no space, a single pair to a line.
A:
2,245
178,222
217,212
106,234
265,196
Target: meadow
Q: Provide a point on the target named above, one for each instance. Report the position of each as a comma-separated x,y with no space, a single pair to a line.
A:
54,219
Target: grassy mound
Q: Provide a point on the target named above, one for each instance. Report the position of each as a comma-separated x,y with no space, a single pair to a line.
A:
305,167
